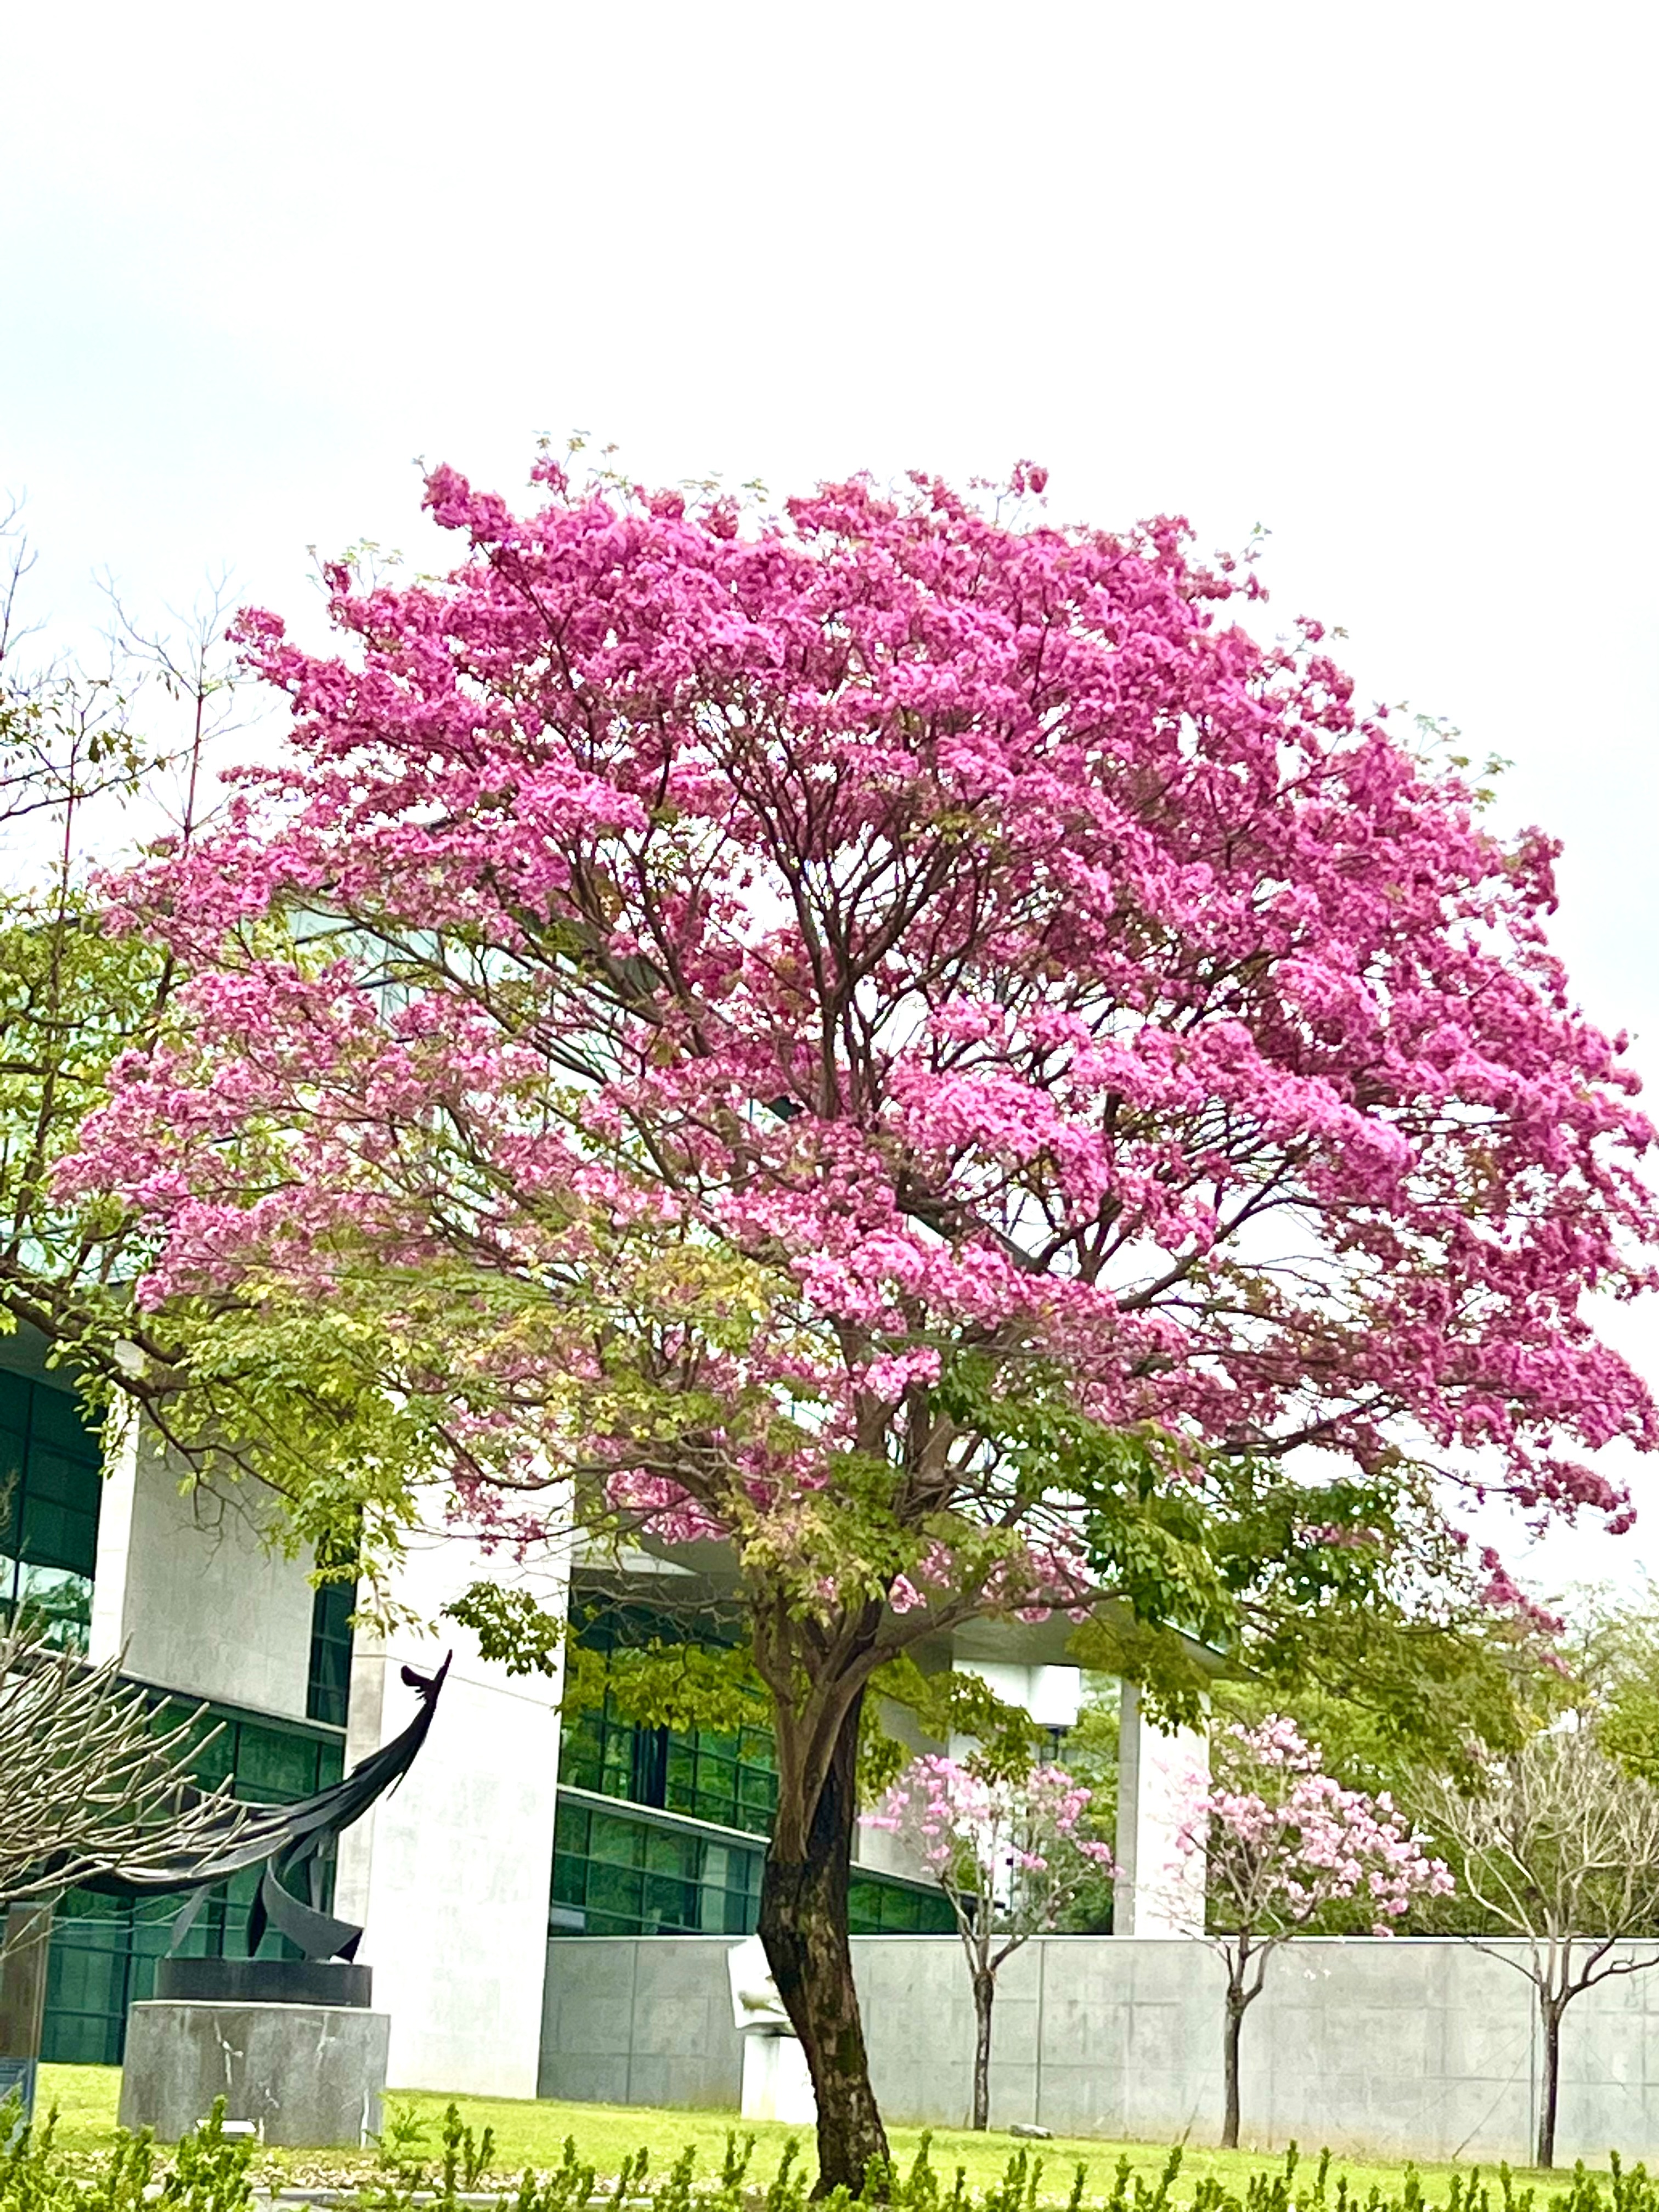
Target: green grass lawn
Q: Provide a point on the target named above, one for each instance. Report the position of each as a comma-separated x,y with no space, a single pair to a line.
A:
532,2132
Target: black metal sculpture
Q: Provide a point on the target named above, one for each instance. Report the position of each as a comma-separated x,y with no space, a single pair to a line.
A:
290,1839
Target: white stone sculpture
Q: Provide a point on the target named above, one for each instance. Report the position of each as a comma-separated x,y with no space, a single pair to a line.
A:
776,2085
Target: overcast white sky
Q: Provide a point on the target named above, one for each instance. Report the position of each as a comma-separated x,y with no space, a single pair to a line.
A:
1378,276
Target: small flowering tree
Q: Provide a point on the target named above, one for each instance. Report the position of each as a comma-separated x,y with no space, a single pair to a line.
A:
1011,1856
1287,1844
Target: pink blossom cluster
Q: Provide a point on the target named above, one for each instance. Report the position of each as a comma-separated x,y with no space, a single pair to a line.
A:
1013,1854
1284,1840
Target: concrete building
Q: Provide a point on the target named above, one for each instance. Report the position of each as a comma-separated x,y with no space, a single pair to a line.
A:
509,1830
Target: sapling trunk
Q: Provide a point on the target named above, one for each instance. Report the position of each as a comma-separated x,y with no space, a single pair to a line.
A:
1243,1990
1551,2008
1229,2071
985,1990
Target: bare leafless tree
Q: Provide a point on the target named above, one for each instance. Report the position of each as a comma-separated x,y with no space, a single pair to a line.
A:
88,761
1558,1846
90,1785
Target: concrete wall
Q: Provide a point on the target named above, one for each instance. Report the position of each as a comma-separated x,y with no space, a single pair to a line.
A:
193,1590
1423,2049
451,1875
640,2020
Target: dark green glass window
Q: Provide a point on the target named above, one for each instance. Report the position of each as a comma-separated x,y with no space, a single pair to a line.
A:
881,1905
623,1873
328,1692
729,1779
51,1484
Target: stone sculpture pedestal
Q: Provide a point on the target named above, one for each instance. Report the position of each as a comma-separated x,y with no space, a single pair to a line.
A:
290,2046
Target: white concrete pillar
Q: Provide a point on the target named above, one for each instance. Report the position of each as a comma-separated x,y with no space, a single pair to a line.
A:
1160,1780
450,1874
107,1634
192,1587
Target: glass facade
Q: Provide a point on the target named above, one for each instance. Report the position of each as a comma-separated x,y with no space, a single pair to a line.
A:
728,1780
104,1949
328,1690
621,1871
882,1904
644,1864
51,1483
616,1873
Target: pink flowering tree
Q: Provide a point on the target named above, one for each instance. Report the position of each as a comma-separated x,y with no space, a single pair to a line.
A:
1011,1854
1287,1846
894,1038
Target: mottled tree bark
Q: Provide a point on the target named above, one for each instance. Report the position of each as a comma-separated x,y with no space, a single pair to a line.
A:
803,1925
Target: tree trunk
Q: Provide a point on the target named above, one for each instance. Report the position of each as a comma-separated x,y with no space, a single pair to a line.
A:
803,1925
985,1989
1229,2070
1550,2010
